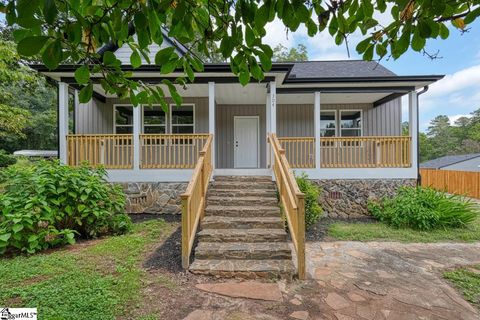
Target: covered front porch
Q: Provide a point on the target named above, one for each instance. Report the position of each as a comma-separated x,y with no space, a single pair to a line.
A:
329,134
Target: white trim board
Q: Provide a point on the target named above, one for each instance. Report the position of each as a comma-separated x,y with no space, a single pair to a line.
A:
359,173
242,172
150,175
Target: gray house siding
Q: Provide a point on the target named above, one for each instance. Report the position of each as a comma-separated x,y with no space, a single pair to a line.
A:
94,117
224,130
97,118
297,120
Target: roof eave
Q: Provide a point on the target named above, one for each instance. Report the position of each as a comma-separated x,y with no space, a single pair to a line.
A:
422,78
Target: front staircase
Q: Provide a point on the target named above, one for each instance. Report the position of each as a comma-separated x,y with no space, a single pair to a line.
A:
243,233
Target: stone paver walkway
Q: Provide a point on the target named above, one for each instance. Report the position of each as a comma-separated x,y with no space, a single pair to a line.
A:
380,280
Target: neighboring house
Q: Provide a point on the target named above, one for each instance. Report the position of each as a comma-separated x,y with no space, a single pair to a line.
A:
339,122
465,162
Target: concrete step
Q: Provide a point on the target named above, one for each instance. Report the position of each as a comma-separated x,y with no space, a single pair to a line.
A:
242,201
245,269
242,250
243,211
242,235
217,192
242,185
243,178
222,222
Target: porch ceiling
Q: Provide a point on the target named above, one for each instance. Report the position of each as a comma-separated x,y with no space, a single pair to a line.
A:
331,98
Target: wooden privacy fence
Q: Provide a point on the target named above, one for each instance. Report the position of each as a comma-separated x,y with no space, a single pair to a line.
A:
458,182
170,151
365,152
113,151
300,151
292,200
194,198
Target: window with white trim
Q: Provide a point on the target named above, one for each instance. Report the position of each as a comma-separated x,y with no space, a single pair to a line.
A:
123,119
328,123
182,119
154,120
350,123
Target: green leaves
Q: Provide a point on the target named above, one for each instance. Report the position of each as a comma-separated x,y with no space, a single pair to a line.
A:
163,56
52,56
85,93
135,59
30,46
82,75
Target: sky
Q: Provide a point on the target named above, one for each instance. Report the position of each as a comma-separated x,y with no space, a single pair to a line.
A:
456,95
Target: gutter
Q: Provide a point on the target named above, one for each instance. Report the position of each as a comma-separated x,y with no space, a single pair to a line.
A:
419,177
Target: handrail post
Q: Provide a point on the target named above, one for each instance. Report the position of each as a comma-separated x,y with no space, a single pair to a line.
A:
301,237
185,232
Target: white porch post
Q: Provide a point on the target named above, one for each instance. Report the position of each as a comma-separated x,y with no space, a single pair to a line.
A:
211,117
62,121
316,121
137,129
413,126
273,107
267,127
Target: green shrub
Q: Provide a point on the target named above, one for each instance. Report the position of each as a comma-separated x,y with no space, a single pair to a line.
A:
313,211
47,204
6,159
424,209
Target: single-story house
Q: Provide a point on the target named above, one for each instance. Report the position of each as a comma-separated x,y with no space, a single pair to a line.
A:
464,162
339,122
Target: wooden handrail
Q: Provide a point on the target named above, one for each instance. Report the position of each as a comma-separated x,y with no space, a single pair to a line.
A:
292,201
194,198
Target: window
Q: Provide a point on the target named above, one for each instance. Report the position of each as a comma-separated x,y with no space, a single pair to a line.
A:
182,119
154,120
350,123
123,119
328,123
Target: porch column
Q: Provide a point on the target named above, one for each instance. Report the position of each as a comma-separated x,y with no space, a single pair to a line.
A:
413,126
316,121
267,125
211,117
62,121
273,107
137,129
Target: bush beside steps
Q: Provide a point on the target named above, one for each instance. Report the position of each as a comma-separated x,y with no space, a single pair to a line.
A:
47,204
424,209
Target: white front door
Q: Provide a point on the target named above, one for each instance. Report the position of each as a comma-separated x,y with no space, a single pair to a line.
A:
246,142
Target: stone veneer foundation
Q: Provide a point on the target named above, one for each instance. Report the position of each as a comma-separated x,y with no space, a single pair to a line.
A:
349,198
154,197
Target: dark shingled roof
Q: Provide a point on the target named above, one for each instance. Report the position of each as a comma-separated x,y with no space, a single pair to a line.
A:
339,69
447,161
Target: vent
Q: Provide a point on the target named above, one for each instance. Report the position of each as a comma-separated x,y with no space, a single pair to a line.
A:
335,195
140,200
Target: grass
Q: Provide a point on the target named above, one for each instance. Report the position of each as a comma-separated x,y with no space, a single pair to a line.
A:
467,280
381,232
95,281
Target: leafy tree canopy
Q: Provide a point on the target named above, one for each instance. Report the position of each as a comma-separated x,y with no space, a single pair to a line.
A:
61,31
283,54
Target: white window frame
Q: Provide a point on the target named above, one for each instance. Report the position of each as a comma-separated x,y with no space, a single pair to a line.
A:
335,112
171,106
340,121
115,105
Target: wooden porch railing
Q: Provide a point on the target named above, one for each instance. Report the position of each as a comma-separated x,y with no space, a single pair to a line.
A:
193,200
300,151
113,151
365,152
170,151
292,201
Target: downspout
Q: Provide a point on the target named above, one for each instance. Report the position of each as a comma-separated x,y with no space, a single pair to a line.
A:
419,177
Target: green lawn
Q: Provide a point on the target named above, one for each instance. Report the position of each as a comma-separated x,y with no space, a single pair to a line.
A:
98,280
382,232
468,282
